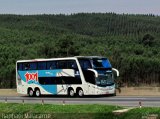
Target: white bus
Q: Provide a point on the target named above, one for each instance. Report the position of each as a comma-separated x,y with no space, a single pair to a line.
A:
81,75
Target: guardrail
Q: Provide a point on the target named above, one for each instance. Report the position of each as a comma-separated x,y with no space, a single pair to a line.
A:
24,100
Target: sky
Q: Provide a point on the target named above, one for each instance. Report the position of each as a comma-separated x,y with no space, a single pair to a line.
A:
27,7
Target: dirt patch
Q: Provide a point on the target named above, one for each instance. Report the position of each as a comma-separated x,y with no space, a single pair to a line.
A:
8,92
139,91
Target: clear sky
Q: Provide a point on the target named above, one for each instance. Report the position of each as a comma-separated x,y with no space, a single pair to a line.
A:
78,6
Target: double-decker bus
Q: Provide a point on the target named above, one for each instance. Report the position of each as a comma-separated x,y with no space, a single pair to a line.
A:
79,75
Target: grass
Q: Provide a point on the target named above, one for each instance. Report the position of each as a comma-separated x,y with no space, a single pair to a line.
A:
59,111
95,111
49,108
142,113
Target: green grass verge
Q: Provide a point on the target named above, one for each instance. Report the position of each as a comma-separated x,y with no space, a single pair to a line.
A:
142,113
50,111
56,111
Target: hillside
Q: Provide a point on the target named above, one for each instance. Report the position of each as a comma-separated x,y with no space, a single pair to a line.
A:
131,42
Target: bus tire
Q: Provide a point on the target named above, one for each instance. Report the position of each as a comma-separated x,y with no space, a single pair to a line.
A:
37,92
70,92
80,92
30,92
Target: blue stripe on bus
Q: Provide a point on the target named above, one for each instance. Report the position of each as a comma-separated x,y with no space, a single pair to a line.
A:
48,73
41,73
50,88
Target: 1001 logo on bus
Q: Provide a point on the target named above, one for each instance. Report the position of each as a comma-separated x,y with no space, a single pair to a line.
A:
31,76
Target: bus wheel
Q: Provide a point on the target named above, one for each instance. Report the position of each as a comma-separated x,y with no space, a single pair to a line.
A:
80,92
30,92
71,92
37,92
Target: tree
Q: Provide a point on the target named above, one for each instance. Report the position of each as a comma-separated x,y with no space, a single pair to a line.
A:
148,40
66,46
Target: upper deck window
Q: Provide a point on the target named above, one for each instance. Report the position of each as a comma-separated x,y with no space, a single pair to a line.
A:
41,65
33,66
30,66
101,63
85,63
52,65
67,64
19,66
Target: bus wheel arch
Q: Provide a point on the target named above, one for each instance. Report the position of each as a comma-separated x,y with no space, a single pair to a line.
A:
79,92
37,92
70,92
30,92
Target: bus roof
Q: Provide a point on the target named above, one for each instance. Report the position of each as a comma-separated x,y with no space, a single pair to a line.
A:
90,57
65,58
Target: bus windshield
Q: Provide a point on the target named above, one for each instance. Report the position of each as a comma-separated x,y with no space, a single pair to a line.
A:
101,63
105,80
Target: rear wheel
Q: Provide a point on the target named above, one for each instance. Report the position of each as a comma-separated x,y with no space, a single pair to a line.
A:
30,92
37,93
71,92
80,93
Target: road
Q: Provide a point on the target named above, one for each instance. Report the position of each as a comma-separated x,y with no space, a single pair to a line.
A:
127,101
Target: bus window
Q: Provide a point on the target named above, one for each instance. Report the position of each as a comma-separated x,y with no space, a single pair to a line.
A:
59,80
101,63
62,64
72,65
19,66
26,66
33,66
41,65
67,64
52,65
89,76
47,81
30,66
85,64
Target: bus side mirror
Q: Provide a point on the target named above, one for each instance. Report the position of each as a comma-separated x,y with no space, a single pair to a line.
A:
94,71
115,72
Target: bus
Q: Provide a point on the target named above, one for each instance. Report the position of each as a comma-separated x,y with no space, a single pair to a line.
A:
79,75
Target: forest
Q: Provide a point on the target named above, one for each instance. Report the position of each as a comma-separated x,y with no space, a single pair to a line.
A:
131,42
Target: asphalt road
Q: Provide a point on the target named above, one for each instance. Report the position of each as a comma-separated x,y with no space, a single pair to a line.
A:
127,101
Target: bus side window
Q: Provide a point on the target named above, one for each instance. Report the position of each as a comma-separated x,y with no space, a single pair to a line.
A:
30,66
33,66
41,65
89,76
85,64
26,66
20,66
62,64
52,65
72,65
